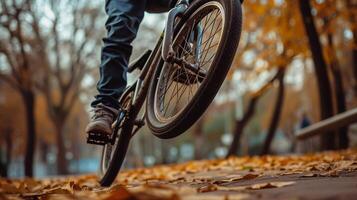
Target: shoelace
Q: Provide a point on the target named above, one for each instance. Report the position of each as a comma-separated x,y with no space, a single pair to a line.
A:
101,112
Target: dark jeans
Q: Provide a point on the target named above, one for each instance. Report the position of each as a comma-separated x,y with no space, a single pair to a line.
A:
124,18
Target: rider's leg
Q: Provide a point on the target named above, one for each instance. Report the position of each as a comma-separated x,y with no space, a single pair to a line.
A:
124,17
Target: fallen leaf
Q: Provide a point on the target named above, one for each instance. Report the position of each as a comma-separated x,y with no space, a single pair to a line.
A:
230,179
232,188
333,173
257,186
270,185
289,173
120,194
8,189
207,188
250,176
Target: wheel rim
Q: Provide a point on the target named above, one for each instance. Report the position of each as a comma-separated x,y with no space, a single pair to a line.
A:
178,85
107,155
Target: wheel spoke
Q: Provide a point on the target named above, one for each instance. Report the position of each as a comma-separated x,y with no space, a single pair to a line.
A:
211,39
177,85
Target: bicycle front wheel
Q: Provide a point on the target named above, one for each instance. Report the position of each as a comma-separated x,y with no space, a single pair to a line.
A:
205,42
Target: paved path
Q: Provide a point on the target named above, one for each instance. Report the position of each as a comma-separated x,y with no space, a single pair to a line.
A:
329,175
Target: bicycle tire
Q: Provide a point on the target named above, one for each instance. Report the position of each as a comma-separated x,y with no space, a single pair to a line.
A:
209,88
108,175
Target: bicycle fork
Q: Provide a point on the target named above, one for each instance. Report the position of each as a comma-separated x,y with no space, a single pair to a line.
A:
178,10
168,54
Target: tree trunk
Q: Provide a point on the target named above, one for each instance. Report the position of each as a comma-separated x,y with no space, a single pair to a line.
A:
62,167
354,55
240,125
340,97
165,153
198,138
354,62
29,101
8,140
352,17
326,111
3,169
276,114
238,131
341,107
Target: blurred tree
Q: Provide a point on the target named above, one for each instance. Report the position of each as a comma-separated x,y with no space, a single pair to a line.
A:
249,37
68,60
248,114
273,27
60,40
273,34
329,13
334,20
5,162
239,126
198,138
12,126
276,113
351,8
19,72
327,140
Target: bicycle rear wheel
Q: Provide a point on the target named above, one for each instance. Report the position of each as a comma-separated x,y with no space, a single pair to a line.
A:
180,93
113,155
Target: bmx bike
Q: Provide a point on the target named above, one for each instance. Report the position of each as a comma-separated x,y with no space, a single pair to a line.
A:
178,78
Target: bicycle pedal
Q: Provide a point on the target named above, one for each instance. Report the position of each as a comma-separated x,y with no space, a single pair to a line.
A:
98,139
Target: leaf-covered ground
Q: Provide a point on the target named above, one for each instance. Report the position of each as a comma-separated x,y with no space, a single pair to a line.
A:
329,175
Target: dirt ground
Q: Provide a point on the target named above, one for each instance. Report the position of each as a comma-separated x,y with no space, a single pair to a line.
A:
328,175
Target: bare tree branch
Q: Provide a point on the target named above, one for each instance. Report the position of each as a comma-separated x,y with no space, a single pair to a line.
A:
9,81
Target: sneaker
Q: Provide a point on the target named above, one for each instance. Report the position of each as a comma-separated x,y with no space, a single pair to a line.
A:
101,122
